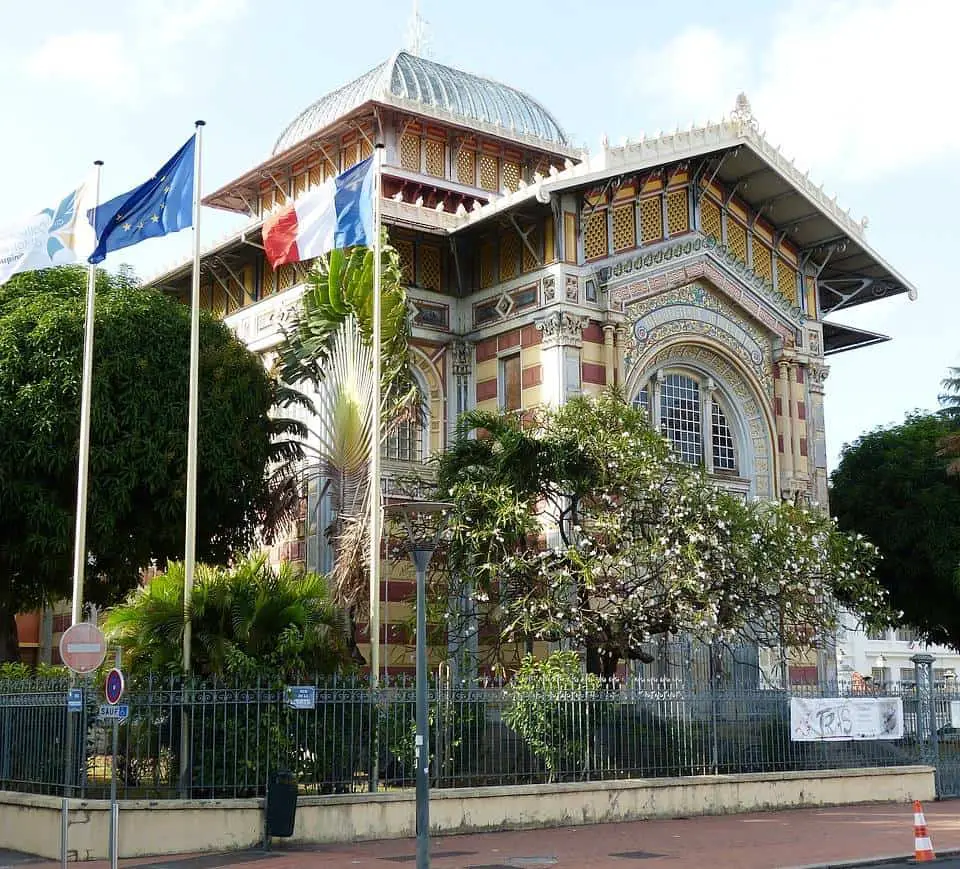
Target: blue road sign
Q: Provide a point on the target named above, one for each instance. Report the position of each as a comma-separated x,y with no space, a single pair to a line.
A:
119,712
301,697
114,686
74,700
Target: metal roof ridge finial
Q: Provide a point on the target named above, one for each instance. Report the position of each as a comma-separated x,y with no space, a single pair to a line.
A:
417,39
742,115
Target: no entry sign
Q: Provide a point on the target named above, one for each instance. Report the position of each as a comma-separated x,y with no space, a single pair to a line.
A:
83,648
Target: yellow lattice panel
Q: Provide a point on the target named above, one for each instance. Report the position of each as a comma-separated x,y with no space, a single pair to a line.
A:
315,175
268,286
410,152
511,175
286,276
651,219
762,260
549,247
300,184
348,157
509,255
429,267
467,166
219,301
436,158
678,214
404,250
489,170
528,261
710,224
624,227
786,280
329,170
266,200
366,149
595,234
488,263
737,239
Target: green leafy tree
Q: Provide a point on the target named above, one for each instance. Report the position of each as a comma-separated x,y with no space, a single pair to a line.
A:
892,485
138,445
248,620
950,402
584,529
548,705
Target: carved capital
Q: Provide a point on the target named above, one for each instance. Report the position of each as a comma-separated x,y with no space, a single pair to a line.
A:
461,357
562,330
818,375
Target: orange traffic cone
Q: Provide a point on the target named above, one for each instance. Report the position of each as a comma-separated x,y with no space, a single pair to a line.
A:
923,847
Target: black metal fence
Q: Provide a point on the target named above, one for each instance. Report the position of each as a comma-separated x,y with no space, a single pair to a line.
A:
342,737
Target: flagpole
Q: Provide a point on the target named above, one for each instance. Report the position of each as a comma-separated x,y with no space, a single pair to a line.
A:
376,514
86,397
190,547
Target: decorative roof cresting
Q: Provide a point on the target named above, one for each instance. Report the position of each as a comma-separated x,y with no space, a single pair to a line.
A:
406,78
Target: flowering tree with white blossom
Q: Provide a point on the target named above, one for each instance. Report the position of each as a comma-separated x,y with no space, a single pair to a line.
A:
580,526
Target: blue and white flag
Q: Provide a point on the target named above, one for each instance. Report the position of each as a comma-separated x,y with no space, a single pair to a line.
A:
159,206
56,236
337,214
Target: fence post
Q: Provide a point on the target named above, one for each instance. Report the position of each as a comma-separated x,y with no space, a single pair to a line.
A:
927,710
64,831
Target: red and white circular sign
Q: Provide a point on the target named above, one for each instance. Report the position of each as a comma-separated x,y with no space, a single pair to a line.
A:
83,647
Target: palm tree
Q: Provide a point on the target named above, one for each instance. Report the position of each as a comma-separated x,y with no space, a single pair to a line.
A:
327,359
250,619
950,402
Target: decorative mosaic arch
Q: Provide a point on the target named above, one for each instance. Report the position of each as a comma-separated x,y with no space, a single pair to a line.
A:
427,367
740,387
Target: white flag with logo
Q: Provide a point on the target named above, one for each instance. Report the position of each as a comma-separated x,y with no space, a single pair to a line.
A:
56,236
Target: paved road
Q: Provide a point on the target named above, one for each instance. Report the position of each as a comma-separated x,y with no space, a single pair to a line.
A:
773,840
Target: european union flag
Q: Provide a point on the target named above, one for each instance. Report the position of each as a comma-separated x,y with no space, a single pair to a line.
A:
158,206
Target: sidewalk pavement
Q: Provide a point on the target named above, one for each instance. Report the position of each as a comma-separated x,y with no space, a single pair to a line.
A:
773,840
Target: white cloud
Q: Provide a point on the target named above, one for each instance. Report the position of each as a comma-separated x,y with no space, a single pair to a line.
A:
853,89
119,66
85,58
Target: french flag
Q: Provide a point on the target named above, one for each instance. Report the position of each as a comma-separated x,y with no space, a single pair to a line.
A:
337,214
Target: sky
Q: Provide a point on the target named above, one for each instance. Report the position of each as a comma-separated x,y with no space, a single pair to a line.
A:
856,92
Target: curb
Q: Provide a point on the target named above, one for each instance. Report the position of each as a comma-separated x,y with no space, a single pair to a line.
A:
875,861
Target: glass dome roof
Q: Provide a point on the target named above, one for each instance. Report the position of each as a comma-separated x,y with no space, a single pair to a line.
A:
437,88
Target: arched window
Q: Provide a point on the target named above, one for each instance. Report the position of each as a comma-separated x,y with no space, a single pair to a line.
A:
691,411
407,439
404,442
680,416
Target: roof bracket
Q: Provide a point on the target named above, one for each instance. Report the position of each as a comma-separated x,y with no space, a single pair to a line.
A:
716,171
250,209
266,173
525,238
318,146
225,286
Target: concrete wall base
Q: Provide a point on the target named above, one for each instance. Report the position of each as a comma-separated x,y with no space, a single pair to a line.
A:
31,823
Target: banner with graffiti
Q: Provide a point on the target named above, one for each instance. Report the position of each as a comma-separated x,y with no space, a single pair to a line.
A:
816,719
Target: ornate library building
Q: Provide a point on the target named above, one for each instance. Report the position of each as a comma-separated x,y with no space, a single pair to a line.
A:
694,270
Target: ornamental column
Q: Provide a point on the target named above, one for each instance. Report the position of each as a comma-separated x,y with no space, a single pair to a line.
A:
784,426
817,374
463,645
623,336
798,415
609,357
560,354
461,366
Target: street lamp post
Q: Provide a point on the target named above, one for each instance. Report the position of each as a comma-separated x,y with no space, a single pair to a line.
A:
424,521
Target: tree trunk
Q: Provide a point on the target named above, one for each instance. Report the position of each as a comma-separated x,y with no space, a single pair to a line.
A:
9,642
602,662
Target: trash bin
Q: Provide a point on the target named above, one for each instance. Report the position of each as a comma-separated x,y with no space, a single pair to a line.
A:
281,803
